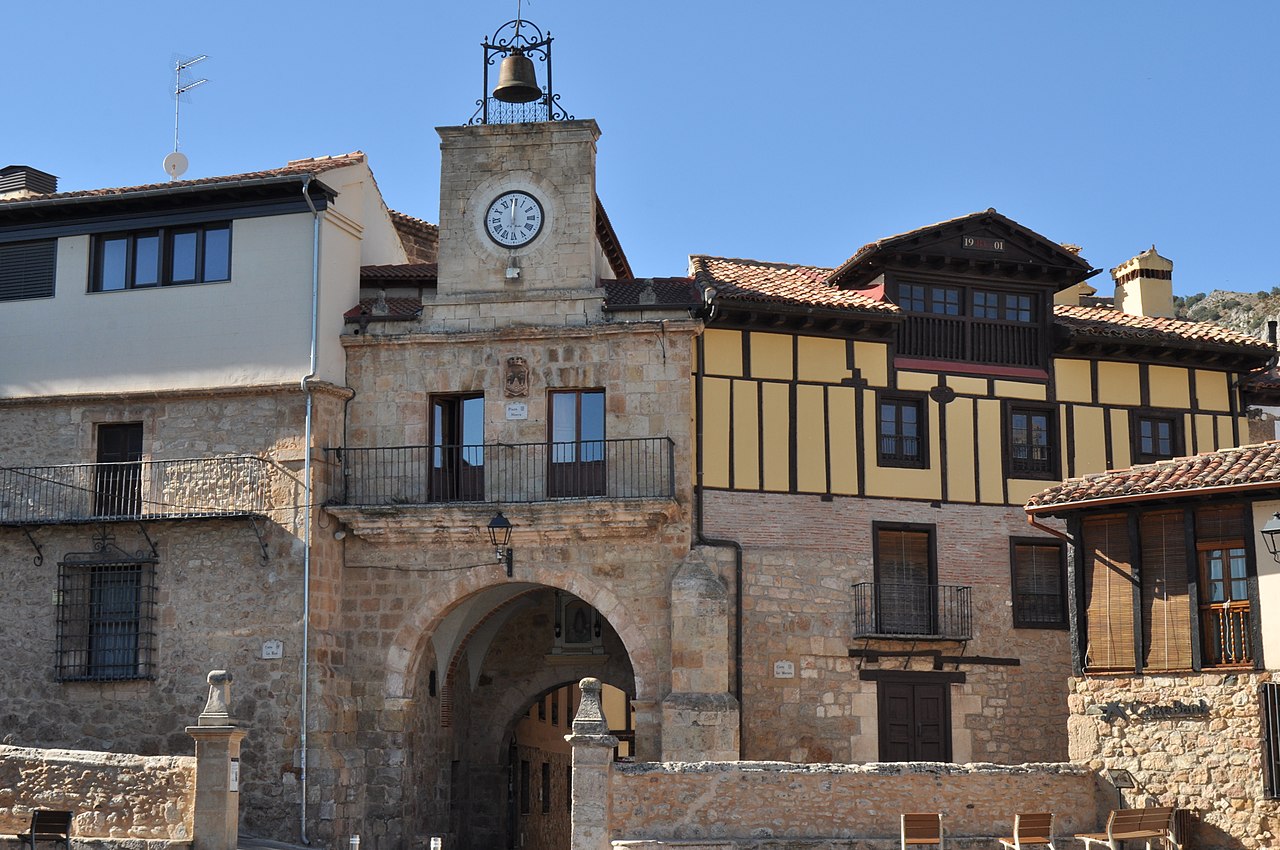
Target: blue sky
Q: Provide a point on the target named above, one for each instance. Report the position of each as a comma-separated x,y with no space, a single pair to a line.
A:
789,132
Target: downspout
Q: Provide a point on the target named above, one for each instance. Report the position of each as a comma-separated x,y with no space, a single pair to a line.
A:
1035,523
703,540
306,500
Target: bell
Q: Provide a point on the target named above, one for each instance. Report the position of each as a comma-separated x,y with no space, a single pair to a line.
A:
517,83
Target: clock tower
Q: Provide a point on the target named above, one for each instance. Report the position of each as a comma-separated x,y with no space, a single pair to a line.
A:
518,210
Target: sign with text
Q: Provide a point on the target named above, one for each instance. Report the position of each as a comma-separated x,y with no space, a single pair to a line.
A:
982,243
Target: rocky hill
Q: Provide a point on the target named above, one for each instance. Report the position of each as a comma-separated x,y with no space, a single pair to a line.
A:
1247,312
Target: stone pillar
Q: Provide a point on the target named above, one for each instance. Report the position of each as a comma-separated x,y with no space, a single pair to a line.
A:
699,716
592,770
217,810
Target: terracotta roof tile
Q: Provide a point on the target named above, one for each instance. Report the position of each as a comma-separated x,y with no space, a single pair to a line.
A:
1103,322
652,292
781,283
1246,466
400,271
400,309
314,165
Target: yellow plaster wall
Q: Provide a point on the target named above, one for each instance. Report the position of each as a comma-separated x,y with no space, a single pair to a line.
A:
715,436
1118,383
1169,386
1211,390
872,360
777,435
1090,440
1021,489
1225,438
821,359
1121,440
960,451
1206,438
842,408
967,386
1073,380
723,352
1017,389
990,451
771,356
811,438
917,381
746,435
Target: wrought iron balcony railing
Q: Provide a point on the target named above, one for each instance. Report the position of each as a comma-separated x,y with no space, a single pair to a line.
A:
156,489
939,611
641,468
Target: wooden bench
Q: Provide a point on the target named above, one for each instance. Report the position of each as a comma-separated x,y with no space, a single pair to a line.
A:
923,829
1030,829
48,825
1147,824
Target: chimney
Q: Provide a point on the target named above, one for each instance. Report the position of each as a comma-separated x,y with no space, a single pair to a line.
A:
1144,285
23,181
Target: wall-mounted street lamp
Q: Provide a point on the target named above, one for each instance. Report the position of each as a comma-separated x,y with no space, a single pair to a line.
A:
1270,533
500,537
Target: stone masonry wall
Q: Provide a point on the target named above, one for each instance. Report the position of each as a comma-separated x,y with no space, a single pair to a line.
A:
768,800
112,795
801,558
1210,763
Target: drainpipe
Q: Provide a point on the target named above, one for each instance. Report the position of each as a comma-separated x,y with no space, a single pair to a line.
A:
1035,523
306,501
703,540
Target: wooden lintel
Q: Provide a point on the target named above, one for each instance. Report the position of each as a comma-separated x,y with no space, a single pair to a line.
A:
952,676
986,660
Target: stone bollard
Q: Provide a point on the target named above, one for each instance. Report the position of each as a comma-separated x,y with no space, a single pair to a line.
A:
217,809
592,769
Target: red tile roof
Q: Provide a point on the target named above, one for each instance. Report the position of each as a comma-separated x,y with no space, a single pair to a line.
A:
400,271
652,292
314,165
1103,323
1246,467
397,309
781,283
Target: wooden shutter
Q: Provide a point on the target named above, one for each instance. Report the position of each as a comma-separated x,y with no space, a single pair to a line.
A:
1037,585
1166,606
1108,594
27,269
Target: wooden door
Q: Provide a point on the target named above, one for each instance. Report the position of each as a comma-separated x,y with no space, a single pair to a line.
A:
118,485
915,720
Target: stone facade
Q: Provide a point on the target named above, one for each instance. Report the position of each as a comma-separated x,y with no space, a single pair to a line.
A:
114,795
1209,762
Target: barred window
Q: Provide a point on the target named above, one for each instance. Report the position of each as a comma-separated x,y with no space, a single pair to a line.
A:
901,432
1271,737
1039,585
106,621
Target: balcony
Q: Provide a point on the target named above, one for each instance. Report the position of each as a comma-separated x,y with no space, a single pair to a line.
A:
912,611
190,488
504,473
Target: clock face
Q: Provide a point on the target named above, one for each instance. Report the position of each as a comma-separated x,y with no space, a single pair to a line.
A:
514,219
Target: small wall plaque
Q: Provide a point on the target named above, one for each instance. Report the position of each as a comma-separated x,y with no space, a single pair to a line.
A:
515,382
233,777
517,410
272,649
784,670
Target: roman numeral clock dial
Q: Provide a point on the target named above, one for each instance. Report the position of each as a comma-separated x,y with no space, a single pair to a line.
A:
514,219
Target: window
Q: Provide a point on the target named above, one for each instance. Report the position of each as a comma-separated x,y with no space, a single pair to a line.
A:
1155,437
27,269
577,443
971,324
526,793
1226,625
902,430
1006,306
118,474
1031,443
457,448
904,575
1039,584
1271,737
105,620
162,257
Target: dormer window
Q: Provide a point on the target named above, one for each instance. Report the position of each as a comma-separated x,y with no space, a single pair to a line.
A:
971,323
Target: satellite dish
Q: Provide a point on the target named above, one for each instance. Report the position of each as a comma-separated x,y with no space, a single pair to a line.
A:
175,164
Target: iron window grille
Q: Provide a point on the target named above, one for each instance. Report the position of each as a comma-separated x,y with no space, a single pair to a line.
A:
902,432
106,617
1270,698
1039,585
170,256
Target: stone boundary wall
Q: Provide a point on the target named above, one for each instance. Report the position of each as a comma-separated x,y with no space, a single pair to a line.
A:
114,796
751,804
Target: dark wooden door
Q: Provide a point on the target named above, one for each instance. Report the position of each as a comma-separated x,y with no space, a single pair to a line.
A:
118,488
457,448
915,720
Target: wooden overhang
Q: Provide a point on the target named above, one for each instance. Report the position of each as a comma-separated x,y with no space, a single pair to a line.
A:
729,312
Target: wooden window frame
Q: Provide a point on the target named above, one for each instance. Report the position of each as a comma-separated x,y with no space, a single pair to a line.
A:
899,400
963,336
1054,445
1137,417
164,256
1063,622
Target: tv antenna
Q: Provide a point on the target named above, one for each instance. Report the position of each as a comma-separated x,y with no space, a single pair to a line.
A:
175,164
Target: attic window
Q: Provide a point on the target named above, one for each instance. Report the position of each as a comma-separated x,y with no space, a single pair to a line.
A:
979,325
171,256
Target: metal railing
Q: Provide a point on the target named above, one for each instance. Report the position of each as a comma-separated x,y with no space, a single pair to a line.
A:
912,610
155,489
641,468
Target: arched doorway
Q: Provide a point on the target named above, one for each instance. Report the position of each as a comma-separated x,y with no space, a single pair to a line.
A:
495,676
